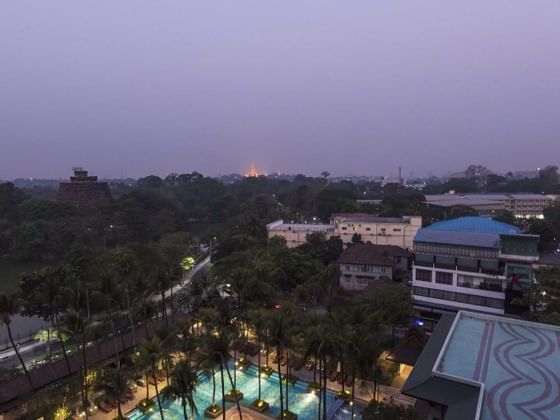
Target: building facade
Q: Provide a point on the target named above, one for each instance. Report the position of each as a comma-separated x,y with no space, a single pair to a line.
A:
84,190
395,231
522,206
364,265
471,263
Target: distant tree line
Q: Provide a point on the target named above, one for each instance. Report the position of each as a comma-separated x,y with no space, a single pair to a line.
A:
33,227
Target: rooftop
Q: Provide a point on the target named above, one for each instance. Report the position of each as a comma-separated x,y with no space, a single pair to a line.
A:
369,218
371,254
475,225
466,231
298,227
512,364
451,200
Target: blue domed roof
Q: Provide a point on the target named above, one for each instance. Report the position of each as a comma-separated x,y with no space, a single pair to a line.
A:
475,225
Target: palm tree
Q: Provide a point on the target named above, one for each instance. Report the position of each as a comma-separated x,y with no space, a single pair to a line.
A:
169,343
281,331
108,295
207,367
9,306
184,379
115,384
324,344
150,354
216,352
146,311
212,356
42,291
76,324
259,320
326,286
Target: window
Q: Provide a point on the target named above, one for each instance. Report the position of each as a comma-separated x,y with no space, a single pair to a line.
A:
368,229
444,278
396,230
423,275
344,228
437,294
421,291
465,281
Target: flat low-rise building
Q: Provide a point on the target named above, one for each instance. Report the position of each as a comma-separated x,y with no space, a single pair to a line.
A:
363,265
471,263
522,206
296,233
484,367
396,231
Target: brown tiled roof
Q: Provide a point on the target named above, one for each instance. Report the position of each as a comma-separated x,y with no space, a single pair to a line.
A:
409,348
371,254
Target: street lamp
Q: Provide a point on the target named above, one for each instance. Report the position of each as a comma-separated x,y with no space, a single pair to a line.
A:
211,241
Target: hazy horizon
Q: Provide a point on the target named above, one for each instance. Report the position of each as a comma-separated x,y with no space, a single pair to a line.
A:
298,86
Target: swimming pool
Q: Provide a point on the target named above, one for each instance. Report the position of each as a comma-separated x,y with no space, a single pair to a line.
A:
301,402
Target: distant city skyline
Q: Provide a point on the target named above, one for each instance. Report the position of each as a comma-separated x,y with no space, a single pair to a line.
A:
300,86
253,170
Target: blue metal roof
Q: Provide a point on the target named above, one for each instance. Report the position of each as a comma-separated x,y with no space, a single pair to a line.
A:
466,231
475,225
476,239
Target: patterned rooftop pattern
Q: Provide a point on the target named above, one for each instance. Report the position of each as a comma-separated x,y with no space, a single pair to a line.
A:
518,362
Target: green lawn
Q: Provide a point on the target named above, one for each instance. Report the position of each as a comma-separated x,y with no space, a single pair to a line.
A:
10,272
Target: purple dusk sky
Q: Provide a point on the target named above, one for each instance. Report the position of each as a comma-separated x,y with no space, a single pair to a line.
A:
352,87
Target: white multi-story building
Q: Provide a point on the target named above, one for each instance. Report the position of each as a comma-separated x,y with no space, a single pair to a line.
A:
471,263
396,231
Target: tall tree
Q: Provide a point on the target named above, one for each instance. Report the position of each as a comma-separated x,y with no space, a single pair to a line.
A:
9,306
149,358
184,380
115,384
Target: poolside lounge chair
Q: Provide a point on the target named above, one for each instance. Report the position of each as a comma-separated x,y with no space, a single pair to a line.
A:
348,381
309,365
332,375
341,378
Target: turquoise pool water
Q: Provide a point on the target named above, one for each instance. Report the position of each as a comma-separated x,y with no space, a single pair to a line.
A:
301,401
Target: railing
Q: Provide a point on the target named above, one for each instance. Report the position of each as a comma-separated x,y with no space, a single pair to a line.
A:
492,287
424,263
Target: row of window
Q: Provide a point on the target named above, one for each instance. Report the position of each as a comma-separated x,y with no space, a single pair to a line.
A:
458,297
456,250
442,277
383,230
362,279
365,268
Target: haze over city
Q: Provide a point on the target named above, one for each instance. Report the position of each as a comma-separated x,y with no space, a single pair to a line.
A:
298,86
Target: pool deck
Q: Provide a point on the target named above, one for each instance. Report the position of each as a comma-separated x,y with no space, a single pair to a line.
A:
363,392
